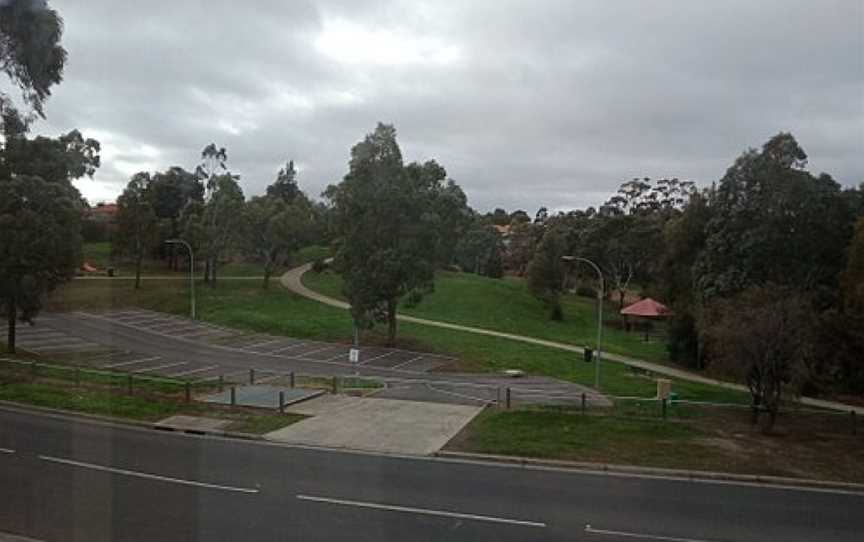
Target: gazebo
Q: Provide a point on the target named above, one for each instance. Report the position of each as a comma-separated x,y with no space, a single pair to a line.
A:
647,309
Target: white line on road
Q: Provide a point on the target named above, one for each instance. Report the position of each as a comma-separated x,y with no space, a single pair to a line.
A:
424,511
6,451
623,534
133,362
146,475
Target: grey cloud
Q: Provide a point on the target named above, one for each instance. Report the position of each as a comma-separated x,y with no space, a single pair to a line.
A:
542,103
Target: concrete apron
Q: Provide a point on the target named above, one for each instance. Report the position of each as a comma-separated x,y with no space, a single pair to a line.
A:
375,425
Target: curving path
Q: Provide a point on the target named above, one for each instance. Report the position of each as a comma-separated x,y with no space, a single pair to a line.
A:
292,280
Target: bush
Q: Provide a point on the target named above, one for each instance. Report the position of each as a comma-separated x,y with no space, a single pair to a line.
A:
683,345
586,291
319,265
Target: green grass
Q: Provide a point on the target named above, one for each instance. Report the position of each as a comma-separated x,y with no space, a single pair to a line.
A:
505,305
564,435
720,440
245,305
100,402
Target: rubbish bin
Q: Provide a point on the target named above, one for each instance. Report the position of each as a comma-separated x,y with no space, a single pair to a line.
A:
110,271
589,354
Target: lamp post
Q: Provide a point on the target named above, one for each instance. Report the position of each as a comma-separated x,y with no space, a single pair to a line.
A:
191,268
599,311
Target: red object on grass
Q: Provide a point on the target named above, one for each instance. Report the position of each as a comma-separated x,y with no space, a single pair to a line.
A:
647,307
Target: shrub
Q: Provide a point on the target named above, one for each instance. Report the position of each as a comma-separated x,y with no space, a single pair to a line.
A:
319,265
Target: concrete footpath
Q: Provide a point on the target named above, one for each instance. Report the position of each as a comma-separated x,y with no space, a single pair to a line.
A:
292,280
375,425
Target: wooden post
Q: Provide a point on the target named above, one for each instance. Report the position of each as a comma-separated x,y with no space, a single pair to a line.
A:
233,395
188,392
508,397
129,383
251,376
292,379
583,402
281,401
221,383
335,384
664,408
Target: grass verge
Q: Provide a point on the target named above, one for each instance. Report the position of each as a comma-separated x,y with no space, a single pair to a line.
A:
151,400
818,447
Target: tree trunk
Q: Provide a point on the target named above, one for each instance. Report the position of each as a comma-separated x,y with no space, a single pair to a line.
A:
621,293
391,323
13,313
768,421
138,271
267,273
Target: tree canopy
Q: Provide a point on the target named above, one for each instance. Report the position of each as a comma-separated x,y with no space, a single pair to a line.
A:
387,226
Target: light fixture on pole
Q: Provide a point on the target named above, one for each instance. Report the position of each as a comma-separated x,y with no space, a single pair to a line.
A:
571,259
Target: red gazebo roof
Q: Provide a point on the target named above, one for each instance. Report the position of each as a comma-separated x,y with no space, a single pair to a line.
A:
647,307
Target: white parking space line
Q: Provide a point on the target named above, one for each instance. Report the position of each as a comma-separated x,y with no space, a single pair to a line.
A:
643,536
285,349
141,320
158,367
404,363
6,451
421,511
199,333
125,472
132,362
193,371
378,357
80,347
304,354
264,343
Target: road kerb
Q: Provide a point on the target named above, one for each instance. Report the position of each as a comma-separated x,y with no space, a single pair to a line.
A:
694,475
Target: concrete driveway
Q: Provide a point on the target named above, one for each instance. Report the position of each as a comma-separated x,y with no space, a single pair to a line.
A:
377,425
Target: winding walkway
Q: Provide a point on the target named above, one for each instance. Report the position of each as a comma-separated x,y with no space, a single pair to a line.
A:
292,280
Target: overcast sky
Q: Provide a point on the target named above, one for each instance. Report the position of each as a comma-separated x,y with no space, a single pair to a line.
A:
524,103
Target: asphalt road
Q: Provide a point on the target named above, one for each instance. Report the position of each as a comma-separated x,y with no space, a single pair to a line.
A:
62,479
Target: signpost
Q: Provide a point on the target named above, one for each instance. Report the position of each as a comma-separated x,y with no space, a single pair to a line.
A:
354,358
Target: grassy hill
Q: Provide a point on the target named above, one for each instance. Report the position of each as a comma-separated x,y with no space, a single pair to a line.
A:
505,305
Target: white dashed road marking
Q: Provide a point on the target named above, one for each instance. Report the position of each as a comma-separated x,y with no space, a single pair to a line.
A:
125,472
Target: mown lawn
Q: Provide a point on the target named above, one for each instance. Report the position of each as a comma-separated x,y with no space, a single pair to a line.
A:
246,305
819,447
505,305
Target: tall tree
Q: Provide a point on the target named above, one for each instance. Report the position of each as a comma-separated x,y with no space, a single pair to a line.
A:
40,245
774,222
274,229
285,186
546,271
480,251
763,337
137,225
387,237
30,55
213,227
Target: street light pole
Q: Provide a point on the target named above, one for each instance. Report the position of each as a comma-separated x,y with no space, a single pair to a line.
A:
599,312
191,268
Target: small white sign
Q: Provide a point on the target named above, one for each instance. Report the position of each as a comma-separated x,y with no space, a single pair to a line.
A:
354,355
